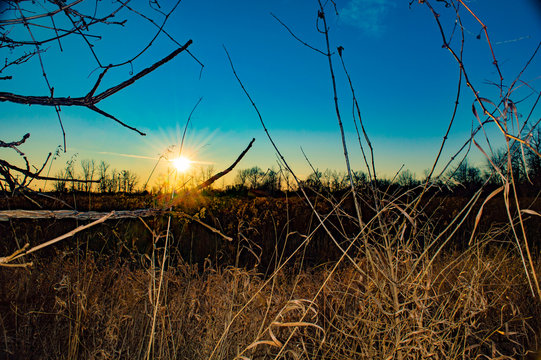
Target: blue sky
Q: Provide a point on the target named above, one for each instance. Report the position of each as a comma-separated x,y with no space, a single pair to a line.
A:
404,80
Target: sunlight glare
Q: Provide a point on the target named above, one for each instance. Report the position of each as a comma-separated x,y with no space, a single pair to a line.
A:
182,164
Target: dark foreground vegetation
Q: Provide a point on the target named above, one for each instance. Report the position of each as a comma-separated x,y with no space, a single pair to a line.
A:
260,227
280,286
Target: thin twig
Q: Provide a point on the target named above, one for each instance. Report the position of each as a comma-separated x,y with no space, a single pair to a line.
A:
296,37
19,253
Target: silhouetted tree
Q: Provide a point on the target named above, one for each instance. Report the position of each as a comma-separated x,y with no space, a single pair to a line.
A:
466,175
128,181
407,179
271,181
251,178
255,177
103,168
313,181
242,177
89,168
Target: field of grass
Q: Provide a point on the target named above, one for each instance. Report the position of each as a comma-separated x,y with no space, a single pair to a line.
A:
282,288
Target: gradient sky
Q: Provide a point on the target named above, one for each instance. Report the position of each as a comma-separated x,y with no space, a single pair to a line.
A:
404,80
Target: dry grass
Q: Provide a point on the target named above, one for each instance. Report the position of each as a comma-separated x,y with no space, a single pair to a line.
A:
467,305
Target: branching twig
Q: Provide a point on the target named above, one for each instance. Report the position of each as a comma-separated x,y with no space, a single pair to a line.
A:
90,100
48,14
296,37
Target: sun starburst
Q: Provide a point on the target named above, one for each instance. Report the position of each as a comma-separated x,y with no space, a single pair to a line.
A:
182,164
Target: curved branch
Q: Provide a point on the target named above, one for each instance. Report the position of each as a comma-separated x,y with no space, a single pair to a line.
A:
222,173
90,100
15,143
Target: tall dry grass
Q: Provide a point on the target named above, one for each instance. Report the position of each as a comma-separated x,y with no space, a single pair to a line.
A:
472,304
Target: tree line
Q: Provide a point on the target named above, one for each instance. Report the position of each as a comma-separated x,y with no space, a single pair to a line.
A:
521,162
98,177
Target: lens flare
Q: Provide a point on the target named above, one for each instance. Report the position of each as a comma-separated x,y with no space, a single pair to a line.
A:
182,164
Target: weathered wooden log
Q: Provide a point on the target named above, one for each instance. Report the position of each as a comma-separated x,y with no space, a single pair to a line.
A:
6,215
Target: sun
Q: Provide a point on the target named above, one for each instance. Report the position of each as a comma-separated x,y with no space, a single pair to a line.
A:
182,163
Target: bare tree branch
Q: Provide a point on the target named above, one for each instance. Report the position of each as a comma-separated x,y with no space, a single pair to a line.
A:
15,143
48,14
90,100
222,173
296,37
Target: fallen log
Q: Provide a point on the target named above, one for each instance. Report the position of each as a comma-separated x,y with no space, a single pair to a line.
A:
6,215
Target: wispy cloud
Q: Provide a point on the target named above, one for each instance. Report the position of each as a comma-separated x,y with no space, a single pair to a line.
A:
149,157
367,15
127,155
